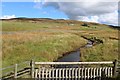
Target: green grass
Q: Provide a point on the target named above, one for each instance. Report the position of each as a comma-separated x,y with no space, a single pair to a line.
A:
49,46
108,51
23,26
39,47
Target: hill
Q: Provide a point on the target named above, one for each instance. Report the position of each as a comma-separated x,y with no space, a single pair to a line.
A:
44,39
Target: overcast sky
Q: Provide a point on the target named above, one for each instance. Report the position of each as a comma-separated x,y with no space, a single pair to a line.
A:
95,11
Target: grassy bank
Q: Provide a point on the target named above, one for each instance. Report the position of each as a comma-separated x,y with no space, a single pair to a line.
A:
46,40
106,51
39,46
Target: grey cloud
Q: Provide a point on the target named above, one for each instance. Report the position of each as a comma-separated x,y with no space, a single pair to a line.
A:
90,8
77,10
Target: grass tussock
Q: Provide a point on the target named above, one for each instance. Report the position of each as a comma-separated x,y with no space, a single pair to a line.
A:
46,40
48,47
108,51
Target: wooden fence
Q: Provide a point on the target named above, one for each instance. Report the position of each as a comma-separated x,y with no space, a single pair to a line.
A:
16,71
62,70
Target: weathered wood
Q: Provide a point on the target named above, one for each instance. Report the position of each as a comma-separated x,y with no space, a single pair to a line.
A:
15,73
39,74
24,71
32,68
53,73
63,72
72,63
94,72
79,76
111,72
100,72
76,73
80,72
115,68
97,73
43,72
23,75
36,73
86,73
50,73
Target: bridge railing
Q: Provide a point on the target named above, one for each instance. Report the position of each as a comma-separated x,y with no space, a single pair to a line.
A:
61,69
77,70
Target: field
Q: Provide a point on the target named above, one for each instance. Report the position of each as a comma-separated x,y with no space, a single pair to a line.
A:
47,40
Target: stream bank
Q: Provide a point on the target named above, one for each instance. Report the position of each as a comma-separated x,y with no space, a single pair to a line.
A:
74,56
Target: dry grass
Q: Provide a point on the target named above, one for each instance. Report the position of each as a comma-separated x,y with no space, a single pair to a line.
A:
26,40
106,51
41,46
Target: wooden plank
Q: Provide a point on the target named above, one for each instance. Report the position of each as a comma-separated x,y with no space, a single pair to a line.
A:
111,71
36,73
50,73
46,72
60,76
82,75
53,73
115,68
39,72
106,71
73,76
57,73
97,73
66,73
70,72
88,71
76,73
72,63
18,73
9,76
85,69
100,72
32,68
23,75
43,69
94,75
79,72
63,70
91,72
15,73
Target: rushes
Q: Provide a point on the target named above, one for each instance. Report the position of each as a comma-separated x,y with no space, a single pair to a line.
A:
47,47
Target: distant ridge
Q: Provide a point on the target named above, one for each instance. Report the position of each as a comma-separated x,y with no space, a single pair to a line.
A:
56,20
117,27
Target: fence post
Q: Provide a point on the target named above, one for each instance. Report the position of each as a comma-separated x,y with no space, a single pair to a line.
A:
15,73
32,68
115,68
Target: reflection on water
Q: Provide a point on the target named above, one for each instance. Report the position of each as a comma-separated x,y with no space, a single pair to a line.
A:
72,57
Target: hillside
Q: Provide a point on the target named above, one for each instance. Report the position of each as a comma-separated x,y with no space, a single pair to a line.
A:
48,39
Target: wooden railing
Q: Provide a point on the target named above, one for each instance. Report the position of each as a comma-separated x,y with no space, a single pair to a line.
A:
62,70
82,70
77,73
16,71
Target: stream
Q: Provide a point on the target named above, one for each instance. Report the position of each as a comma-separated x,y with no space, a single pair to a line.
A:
75,55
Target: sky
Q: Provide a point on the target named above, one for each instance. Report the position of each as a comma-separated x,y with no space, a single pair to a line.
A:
99,12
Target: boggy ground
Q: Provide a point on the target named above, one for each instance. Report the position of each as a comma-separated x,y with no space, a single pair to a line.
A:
48,39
